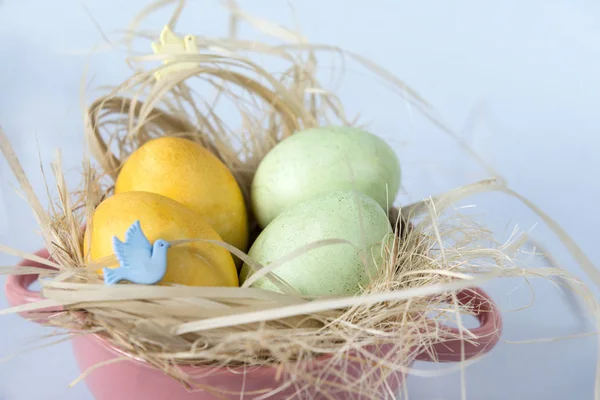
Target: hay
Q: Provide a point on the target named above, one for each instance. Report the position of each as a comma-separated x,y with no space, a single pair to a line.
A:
435,251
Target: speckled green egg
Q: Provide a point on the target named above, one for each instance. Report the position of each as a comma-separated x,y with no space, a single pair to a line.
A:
320,160
336,269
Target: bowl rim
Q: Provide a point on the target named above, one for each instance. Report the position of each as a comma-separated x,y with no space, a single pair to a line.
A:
485,337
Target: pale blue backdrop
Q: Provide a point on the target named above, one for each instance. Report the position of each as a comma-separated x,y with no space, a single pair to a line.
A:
518,79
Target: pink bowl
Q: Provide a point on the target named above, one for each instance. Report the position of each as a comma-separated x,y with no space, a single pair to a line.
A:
134,379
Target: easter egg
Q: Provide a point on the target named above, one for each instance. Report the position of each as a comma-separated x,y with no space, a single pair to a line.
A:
319,160
333,269
185,171
192,264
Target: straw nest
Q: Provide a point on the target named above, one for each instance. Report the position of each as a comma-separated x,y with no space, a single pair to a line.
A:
436,251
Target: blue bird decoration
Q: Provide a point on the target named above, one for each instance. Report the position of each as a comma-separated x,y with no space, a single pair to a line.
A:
140,261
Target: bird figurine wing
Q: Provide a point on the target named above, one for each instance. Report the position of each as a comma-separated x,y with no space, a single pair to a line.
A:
171,44
136,250
168,43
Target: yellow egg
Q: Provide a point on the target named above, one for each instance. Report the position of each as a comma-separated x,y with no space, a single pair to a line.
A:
188,173
192,264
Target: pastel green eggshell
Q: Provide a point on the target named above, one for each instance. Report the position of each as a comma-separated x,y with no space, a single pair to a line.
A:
331,269
320,160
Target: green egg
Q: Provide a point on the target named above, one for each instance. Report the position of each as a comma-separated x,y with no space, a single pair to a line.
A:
320,160
333,269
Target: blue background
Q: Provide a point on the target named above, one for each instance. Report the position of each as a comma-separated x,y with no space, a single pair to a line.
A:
519,82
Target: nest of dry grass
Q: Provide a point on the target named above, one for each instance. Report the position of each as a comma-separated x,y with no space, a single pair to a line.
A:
436,251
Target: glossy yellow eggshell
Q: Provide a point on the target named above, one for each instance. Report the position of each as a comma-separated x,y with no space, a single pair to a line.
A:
192,264
188,173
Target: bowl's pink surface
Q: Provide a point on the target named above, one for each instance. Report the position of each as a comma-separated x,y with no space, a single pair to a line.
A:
137,380
133,379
